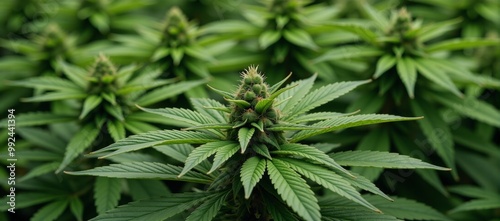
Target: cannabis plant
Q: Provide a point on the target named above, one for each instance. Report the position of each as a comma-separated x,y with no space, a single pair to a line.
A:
280,34
105,99
411,73
262,163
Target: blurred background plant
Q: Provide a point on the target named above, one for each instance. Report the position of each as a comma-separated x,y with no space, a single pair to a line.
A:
433,58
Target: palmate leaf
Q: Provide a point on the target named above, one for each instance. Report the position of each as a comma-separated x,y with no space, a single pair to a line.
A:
144,170
291,97
189,117
318,116
209,209
222,155
457,44
321,96
250,173
180,152
153,138
293,190
277,209
478,204
106,193
244,136
76,207
329,180
54,96
436,76
383,64
200,105
300,37
472,107
156,209
346,122
363,183
408,74
367,158
310,153
406,209
78,143
340,209
437,132
201,153
349,52
50,211
49,83
167,92
140,189
89,104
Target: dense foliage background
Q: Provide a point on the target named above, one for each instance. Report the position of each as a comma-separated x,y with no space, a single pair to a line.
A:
75,71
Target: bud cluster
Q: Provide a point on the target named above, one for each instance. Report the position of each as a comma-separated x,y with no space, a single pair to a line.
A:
245,113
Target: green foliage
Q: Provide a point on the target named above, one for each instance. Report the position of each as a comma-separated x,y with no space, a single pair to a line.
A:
285,161
272,148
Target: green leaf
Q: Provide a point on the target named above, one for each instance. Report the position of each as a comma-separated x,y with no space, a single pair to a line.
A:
259,125
437,132
340,209
106,193
263,105
300,37
209,209
282,126
78,143
54,96
202,152
478,204
244,136
167,92
367,158
76,206
436,76
278,210
363,183
251,172
473,191
156,209
472,107
40,170
318,116
177,54
380,19
311,153
76,74
321,96
222,155
225,94
433,30
50,211
199,53
268,38
201,104
140,189
458,44
89,104
293,96
116,130
383,64
49,83
408,74
346,122
262,150
140,141
406,209
293,190
144,170
360,30
276,86
115,111
349,52
329,180
186,117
